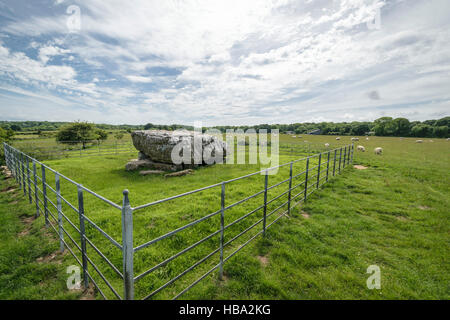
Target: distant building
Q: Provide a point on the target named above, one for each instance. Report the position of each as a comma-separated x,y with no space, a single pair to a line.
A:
317,131
370,133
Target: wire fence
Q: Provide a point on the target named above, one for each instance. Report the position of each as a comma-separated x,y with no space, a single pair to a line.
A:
54,193
74,149
96,148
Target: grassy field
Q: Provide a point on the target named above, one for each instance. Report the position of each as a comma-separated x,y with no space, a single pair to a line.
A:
393,214
29,267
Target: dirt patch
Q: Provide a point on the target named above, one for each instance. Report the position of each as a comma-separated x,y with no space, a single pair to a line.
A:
424,207
402,218
359,167
89,293
8,189
23,233
263,259
27,220
305,215
48,258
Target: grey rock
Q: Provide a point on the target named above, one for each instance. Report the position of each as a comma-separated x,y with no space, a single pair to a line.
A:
147,172
157,145
149,164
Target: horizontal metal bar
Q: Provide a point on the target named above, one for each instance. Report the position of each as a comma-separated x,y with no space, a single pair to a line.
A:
114,242
70,237
104,199
175,197
243,245
96,285
277,208
181,274
281,216
103,277
69,204
243,217
196,281
104,257
175,231
277,184
176,255
243,232
277,197
243,200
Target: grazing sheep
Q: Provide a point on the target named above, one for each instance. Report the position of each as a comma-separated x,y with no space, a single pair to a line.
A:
338,138
294,136
378,150
419,141
355,139
448,139
431,141
361,148
327,145
367,138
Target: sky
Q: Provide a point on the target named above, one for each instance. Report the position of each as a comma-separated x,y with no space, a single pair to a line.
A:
224,62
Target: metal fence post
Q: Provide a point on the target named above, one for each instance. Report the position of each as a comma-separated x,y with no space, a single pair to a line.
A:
328,164
353,150
127,247
318,170
345,156
222,228
82,235
36,196
29,180
340,158
350,154
290,187
22,161
44,194
334,162
306,178
266,181
59,209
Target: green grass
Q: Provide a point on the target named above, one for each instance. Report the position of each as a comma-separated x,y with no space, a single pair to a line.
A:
393,214
28,267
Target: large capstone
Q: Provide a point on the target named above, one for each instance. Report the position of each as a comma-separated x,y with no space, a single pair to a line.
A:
175,150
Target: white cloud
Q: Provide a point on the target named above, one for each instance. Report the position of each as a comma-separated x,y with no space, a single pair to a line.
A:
239,61
139,79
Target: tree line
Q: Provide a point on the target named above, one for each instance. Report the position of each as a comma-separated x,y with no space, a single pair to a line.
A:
384,126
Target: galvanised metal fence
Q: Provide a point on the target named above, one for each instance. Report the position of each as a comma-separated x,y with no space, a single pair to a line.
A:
315,171
76,149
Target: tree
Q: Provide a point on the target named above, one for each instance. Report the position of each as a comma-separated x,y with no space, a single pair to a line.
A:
440,132
422,130
102,135
119,135
5,136
16,127
402,127
443,122
77,132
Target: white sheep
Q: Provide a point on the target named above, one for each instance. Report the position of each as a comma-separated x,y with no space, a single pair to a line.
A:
361,148
355,139
327,145
378,150
367,138
294,136
338,138
419,141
